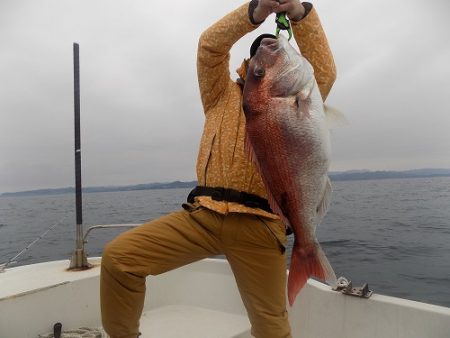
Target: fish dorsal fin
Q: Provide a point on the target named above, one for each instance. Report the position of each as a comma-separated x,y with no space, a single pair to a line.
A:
324,203
275,207
272,202
249,150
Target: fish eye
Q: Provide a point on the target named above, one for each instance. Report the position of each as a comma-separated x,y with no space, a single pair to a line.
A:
259,71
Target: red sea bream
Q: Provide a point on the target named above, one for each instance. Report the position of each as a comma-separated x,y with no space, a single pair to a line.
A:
287,136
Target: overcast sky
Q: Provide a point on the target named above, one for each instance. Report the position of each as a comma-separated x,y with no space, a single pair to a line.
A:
141,112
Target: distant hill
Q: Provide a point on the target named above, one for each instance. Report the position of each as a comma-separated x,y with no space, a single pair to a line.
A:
377,175
351,175
71,190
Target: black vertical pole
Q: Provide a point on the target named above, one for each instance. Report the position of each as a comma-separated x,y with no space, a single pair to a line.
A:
76,69
78,260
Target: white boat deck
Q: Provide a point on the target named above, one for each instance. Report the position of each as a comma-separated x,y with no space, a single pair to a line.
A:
169,321
22,280
47,293
201,300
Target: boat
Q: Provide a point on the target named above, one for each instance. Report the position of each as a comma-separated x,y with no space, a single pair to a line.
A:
200,300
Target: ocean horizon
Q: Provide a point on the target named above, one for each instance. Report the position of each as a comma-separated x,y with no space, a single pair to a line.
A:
393,234
348,175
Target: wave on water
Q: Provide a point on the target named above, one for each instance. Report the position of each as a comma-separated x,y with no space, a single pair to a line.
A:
347,243
381,232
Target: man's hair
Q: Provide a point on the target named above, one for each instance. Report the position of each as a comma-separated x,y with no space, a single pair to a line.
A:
257,42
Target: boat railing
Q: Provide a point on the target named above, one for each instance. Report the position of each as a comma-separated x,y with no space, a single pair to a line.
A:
79,257
107,226
13,260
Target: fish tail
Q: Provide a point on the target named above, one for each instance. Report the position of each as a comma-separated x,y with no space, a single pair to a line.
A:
306,263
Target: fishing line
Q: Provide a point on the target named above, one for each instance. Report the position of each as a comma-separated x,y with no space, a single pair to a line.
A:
13,259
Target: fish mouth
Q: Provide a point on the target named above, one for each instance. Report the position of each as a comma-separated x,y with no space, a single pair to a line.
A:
270,44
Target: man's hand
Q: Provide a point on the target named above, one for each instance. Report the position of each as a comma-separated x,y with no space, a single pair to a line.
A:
264,9
293,8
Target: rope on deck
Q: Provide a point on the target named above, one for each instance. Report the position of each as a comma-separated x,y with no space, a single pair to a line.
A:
83,332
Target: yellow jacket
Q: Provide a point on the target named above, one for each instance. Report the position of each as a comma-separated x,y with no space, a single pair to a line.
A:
222,160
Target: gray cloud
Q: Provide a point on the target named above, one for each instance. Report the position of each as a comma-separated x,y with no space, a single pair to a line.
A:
141,111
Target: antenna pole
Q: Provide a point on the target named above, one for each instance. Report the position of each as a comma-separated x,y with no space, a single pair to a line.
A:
76,71
78,260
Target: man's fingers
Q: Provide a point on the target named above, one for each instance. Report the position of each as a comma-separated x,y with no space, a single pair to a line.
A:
269,5
282,8
274,5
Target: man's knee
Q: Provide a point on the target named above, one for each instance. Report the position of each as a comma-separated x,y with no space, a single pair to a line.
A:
117,265
115,256
109,252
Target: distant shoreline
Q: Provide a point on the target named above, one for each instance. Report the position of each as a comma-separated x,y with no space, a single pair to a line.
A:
352,175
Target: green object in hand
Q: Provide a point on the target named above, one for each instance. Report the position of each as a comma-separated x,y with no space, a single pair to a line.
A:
283,24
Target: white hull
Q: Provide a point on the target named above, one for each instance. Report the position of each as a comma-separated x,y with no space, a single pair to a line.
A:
201,300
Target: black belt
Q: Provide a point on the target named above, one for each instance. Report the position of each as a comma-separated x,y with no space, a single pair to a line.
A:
230,195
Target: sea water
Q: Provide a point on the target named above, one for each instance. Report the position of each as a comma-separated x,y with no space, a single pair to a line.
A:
393,234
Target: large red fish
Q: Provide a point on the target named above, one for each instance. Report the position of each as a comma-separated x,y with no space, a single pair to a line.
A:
288,138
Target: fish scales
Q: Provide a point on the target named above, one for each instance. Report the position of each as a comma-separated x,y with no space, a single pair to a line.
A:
288,139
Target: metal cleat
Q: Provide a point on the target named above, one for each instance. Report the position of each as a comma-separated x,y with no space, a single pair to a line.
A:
345,286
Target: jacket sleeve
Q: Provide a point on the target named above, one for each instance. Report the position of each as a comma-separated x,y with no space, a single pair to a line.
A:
313,44
213,54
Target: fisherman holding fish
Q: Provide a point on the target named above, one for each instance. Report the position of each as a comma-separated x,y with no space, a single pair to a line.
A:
261,171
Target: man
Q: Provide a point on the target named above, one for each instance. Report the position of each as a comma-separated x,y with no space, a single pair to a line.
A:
228,212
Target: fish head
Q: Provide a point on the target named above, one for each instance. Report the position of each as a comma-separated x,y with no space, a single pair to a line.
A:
276,73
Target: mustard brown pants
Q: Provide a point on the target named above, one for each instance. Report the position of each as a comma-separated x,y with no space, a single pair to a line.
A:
250,243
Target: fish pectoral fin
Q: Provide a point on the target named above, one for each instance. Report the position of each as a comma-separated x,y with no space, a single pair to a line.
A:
305,93
334,117
324,203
